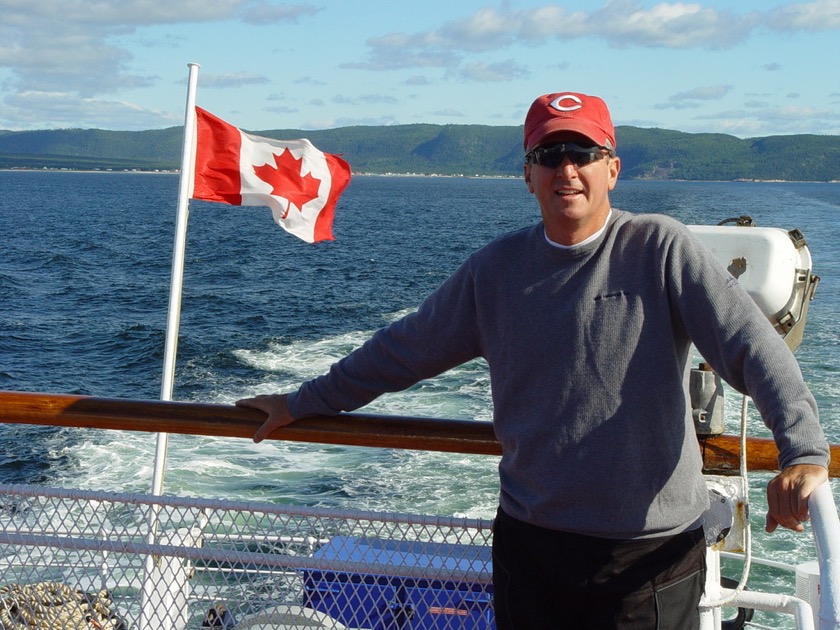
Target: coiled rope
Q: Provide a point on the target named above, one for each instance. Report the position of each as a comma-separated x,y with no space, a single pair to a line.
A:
56,606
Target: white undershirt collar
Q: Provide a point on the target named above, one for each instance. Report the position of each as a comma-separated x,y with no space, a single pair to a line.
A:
585,241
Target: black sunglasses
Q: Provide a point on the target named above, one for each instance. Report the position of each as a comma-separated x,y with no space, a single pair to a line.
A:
552,156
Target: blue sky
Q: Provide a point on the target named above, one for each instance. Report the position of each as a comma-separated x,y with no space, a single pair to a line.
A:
747,68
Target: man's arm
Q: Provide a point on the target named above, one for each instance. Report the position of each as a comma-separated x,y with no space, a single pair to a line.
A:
749,354
277,408
787,495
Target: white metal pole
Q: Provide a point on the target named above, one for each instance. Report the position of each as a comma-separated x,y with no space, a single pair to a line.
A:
184,190
161,573
710,617
826,527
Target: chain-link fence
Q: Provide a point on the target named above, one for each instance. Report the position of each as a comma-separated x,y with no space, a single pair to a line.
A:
81,559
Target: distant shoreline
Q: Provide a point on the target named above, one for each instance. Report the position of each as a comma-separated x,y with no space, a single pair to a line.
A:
137,171
417,175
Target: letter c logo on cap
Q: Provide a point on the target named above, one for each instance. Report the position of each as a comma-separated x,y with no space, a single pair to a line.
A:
556,103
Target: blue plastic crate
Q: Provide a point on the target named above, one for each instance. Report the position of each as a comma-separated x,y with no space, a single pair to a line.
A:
389,602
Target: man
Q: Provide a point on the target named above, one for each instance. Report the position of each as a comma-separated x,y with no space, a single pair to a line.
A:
586,322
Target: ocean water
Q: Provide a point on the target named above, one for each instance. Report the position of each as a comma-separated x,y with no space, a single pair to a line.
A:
84,285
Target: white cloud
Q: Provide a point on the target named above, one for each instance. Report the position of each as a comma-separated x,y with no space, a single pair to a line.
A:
329,123
398,50
309,80
135,13
822,15
792,113
487,29
670,25
706,93
486,72
71,45
690,99
263,13
279,109
417,79
372,99
231,79
61,109
677,105
768,121
551,21
620,23
449,113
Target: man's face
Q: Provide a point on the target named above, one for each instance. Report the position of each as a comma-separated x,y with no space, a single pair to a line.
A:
574,200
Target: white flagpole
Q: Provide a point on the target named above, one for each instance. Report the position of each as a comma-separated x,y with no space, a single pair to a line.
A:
166,581
184,191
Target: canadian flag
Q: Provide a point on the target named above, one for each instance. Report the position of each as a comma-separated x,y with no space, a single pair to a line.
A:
298,182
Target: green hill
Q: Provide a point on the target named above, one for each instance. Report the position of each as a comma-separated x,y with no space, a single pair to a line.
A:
450,150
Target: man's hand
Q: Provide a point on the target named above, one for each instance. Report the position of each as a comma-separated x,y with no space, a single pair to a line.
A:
277,408
787,495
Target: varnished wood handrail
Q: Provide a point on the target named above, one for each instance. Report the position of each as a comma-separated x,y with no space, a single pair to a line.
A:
720,453
454,436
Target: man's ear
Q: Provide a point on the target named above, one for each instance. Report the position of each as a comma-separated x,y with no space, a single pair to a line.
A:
615,169
527,175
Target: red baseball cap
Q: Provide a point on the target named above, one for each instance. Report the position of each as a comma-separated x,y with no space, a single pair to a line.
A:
569,111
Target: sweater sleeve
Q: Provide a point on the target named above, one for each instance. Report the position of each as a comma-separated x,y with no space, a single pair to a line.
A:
440,335
741,345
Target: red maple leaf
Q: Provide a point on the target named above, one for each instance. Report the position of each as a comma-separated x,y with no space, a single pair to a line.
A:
287,182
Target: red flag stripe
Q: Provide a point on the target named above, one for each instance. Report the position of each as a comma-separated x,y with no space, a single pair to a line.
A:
340,171
217,176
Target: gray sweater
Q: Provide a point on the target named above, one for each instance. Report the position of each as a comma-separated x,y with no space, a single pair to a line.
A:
588,351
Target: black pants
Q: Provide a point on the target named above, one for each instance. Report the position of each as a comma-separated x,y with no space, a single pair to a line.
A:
549,580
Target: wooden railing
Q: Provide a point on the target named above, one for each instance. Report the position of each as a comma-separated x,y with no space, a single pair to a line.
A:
720,453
